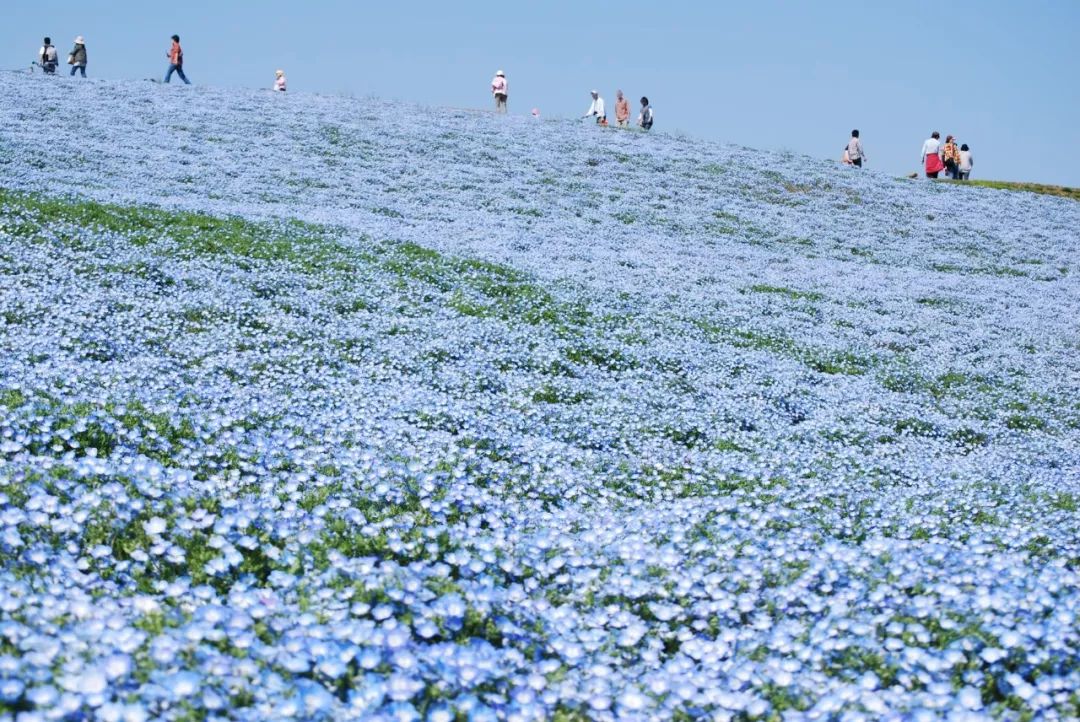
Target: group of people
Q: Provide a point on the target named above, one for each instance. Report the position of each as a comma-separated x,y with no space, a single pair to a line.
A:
500,91
622,111
49,61
955,160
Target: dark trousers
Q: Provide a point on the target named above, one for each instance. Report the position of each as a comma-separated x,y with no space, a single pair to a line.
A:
857,162
933,175
80,68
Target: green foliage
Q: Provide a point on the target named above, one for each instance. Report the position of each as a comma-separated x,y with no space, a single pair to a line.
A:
1059,191
787,292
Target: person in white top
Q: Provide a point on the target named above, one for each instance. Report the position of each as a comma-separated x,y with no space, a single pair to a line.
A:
931,155
966,161
597,109
281,85
500,89
47,57
855,154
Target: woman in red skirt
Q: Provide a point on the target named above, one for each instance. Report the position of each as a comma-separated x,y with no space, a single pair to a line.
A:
931,155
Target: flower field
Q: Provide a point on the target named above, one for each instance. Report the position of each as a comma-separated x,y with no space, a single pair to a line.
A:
330,408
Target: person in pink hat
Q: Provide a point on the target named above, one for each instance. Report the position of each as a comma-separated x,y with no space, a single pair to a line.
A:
500,89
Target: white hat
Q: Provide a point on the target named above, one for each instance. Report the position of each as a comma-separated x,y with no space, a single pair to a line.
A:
279,73
594,92
79,40
500,74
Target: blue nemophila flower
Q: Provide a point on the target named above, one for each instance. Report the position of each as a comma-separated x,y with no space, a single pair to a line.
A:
512,432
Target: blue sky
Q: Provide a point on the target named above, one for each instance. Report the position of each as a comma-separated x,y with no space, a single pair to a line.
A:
770,74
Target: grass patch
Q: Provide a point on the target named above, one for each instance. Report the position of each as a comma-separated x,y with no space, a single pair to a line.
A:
791,293
1048,190
481,288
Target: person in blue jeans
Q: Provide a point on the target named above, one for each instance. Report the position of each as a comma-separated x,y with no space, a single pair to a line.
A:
176,61
77,57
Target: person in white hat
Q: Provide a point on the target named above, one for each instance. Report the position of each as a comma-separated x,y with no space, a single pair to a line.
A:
597,109
501,90
77,56
280,82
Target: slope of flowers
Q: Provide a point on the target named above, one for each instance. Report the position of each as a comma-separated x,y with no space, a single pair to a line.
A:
396,413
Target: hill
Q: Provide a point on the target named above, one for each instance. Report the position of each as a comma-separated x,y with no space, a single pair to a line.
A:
322,407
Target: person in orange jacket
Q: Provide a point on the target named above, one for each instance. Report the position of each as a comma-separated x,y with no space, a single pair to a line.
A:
176,61
622,110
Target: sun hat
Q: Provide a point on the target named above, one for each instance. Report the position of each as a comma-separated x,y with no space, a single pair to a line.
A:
500,74
594,92
279,73
79,40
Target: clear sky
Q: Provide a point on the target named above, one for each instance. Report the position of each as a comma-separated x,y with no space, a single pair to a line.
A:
770,74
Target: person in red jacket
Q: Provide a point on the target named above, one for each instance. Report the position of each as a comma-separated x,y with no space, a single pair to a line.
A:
176,61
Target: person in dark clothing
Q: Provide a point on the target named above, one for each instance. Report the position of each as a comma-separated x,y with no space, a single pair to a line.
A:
77,57
645,119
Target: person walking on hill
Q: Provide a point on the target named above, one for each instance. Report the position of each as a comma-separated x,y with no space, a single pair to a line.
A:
47,56
931,155
966,161
645,118
597,109
855,153
500,90
279,81
950,154
77,57
622,110
176,61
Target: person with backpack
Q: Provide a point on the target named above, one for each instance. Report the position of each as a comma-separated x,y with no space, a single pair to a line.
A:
596,109
279,81
931,155
500,90
966,161
77,57
645,119
855,153
48,58
951,156
622,110
176,61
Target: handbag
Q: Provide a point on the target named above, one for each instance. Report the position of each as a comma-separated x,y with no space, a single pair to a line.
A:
71,59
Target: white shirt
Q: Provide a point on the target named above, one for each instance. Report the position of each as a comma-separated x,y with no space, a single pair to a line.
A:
932,146
597,108
966,160
52,53
854,149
